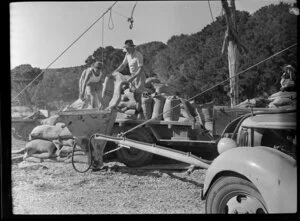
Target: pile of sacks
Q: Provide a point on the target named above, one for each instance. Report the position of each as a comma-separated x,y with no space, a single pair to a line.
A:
50,140
283,99
158,102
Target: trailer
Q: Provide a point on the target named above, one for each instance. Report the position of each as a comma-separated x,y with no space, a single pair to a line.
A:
189,135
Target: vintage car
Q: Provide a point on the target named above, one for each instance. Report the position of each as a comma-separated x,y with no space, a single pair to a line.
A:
256,171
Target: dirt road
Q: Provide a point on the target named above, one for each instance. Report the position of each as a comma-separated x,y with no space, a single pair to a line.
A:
56,188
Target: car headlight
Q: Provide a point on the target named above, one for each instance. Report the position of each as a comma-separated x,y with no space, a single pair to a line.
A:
226,144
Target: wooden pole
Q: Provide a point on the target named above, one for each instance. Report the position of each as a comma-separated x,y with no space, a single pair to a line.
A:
233,43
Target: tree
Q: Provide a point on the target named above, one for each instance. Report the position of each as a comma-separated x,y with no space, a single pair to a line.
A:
24,83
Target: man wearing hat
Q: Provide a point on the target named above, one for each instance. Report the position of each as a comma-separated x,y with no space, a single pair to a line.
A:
92,85
288,79
134,60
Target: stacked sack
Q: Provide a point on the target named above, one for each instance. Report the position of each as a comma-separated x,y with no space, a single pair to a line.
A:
157,99
283,99
52,137
160,103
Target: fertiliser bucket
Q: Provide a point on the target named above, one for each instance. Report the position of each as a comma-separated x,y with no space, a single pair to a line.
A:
158,107
171,111
208,118
84,123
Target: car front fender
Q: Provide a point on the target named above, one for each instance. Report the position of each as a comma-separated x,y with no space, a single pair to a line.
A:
272,172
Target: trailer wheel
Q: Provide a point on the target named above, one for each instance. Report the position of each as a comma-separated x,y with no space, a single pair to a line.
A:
133,157
234,195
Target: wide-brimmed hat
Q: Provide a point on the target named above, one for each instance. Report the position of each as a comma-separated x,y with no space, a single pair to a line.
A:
129,44
98,64
288,67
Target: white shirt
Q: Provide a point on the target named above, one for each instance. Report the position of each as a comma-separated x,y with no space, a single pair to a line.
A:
134,61
93,77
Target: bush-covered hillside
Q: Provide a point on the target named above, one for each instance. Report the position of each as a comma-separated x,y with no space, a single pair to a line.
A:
192,63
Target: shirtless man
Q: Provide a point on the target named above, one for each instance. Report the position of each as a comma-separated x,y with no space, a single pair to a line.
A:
134,59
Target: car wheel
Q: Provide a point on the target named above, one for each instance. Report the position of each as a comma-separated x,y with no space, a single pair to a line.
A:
234,195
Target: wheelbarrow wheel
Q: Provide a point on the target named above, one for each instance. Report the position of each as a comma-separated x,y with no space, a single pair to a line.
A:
133,157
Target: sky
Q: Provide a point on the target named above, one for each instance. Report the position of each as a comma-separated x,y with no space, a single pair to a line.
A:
41,31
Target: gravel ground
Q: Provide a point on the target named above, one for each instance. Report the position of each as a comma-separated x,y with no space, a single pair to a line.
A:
56,188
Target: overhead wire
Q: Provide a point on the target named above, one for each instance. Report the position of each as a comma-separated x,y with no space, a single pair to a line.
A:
65,50
247,69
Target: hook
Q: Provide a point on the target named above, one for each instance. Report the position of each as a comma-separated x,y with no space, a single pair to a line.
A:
131,22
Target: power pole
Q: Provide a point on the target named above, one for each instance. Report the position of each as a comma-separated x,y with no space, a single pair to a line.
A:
231,40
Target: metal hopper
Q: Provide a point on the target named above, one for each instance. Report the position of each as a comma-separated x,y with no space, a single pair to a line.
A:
84,123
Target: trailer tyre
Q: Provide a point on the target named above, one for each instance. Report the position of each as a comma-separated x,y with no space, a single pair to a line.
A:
234,195
133,157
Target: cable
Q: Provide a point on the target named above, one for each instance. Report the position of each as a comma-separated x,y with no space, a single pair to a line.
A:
212,17
145,122
64,51
89,157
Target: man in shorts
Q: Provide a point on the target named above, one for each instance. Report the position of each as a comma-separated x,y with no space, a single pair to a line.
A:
134,60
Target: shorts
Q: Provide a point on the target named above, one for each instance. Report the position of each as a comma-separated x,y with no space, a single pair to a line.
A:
138,84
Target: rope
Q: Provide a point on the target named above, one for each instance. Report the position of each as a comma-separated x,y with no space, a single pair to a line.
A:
131,18
110,21
64,51
145,122
212,17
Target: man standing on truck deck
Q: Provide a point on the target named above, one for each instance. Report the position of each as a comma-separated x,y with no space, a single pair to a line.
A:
288,79
134,59
92,85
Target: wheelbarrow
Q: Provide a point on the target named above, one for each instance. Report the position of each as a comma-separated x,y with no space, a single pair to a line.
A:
83,124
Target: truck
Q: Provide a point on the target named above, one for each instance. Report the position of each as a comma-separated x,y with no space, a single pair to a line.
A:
189,135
